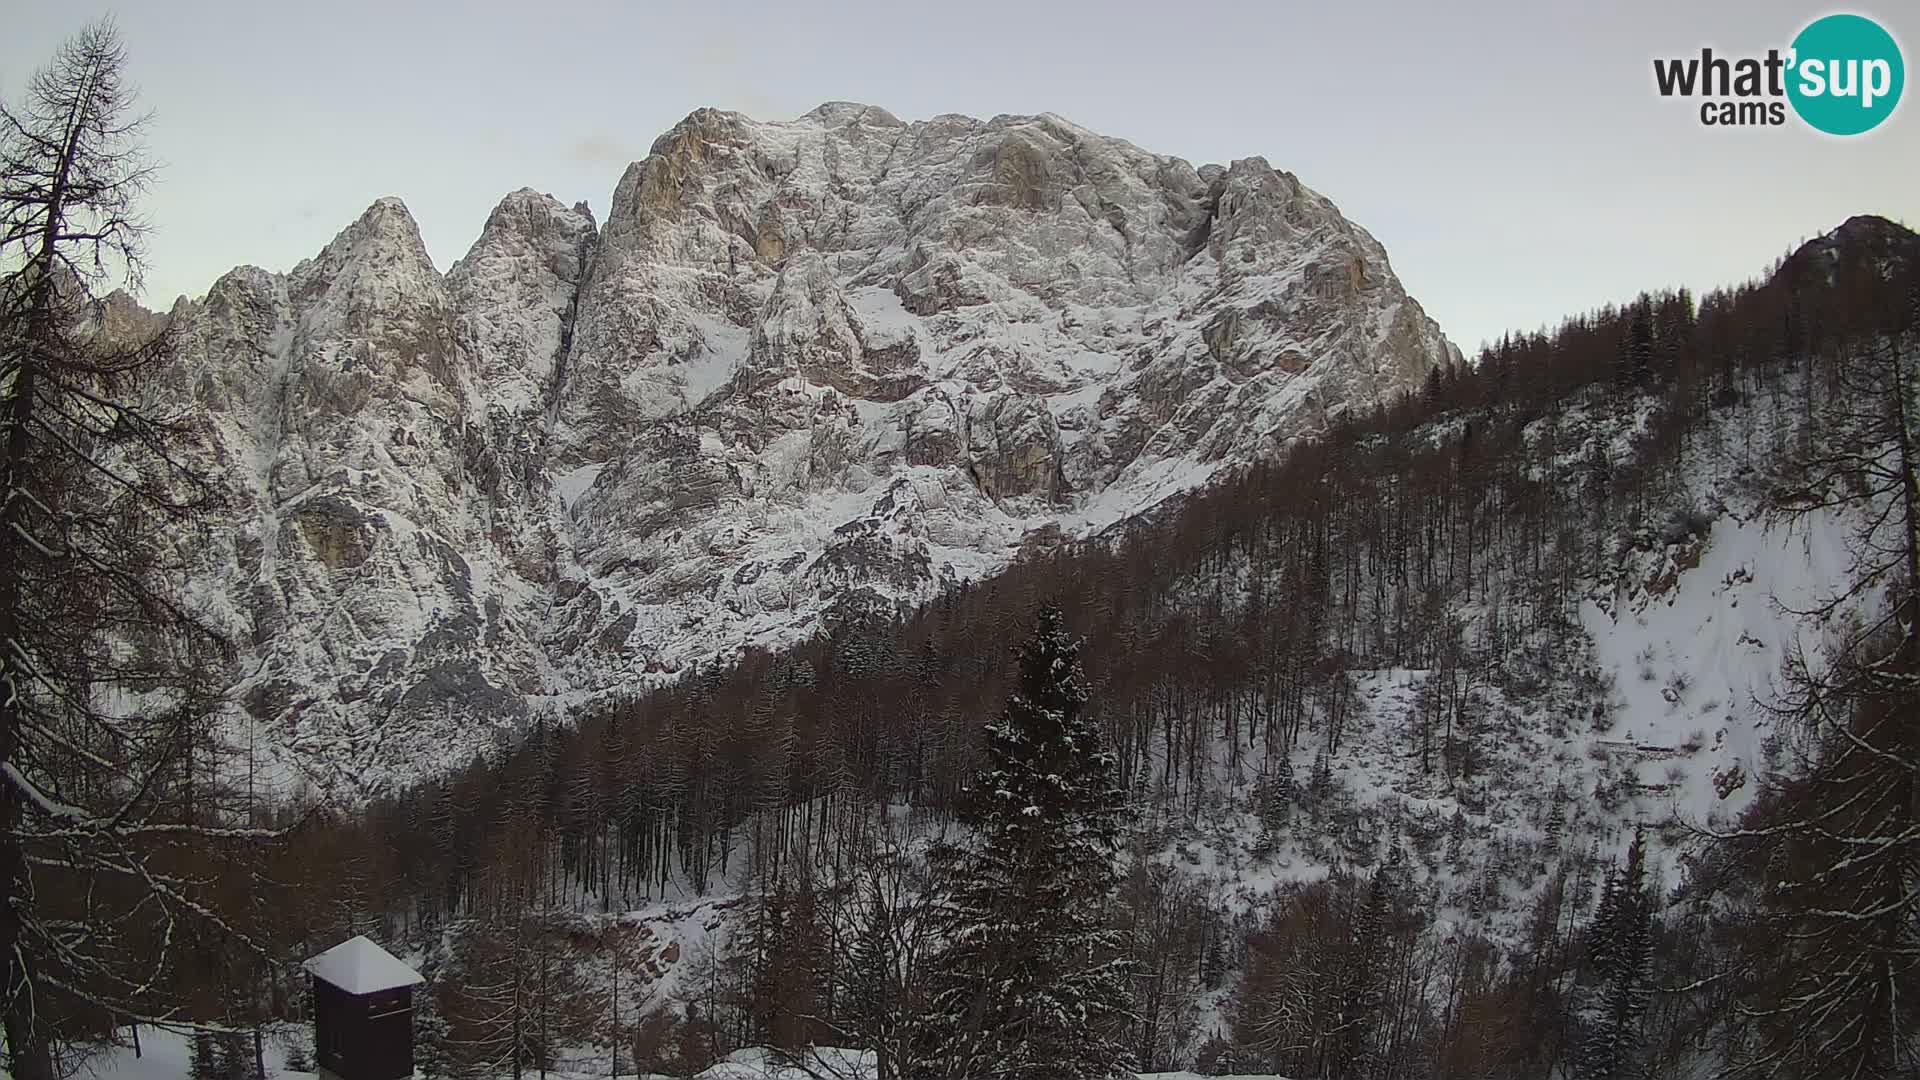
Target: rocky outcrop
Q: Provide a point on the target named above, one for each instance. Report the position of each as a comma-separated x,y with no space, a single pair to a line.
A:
357,432
838,362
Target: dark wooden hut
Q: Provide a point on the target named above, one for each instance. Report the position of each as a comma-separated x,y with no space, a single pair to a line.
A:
362,1012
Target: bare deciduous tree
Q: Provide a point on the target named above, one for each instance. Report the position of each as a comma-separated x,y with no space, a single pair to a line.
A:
1839,837
107,681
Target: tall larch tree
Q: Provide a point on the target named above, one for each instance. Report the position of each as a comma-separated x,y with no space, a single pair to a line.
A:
106,680
1831,985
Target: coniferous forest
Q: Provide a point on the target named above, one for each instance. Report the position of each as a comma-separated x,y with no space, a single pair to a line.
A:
1136,804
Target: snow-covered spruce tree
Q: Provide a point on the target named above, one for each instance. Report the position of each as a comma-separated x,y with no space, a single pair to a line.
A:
1031,981
430,1029
1273,801
233,1056
1601,936
1620,954
1355,1031
107,834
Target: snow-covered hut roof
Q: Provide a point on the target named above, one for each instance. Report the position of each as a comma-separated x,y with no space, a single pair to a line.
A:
358,966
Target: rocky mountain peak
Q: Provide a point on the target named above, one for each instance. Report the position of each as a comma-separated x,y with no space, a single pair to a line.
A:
514,294
384,240
533,216
839,362
1862,238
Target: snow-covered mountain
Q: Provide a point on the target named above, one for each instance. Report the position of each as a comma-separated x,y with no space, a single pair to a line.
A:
836,362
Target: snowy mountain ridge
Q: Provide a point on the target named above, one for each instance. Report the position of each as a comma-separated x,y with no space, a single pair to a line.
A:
831,364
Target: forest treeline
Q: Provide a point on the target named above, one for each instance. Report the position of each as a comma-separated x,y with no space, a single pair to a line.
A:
833,792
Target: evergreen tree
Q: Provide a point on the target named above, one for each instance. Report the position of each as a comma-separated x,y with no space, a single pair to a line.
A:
1601,938
1273,801
1557,817
202,1061
1320,783
1621,956
1433,392
430,1056
1283,783
232,1058
1362,996
1457,839
1639,345
1030,983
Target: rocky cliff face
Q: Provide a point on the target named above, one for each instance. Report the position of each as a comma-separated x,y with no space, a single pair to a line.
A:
841,361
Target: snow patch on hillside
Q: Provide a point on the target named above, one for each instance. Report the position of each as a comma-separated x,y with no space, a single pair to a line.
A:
1695,651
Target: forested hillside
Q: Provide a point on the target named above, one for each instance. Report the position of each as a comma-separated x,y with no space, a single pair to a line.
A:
1413,786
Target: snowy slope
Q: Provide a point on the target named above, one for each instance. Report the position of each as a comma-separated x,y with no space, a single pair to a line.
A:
1694,653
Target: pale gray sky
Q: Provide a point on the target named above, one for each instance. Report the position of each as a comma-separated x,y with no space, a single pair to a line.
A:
1513,158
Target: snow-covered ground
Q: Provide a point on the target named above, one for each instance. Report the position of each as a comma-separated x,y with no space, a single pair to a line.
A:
1695,655
165,1055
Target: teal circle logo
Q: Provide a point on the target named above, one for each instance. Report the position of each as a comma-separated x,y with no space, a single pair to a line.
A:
1846,74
